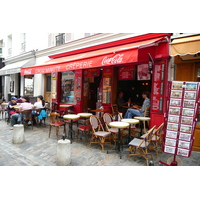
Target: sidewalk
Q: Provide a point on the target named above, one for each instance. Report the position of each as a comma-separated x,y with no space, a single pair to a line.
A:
40,150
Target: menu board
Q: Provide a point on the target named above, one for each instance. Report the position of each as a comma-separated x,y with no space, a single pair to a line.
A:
92,72
107,74
158,87
126,73
181,118
77,85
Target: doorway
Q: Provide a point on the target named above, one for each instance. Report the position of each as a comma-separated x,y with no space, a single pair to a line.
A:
47,87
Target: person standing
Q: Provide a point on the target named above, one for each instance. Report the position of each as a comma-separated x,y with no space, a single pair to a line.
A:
2,98
137,110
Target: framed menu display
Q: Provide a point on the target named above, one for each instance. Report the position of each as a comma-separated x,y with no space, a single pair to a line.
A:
180,119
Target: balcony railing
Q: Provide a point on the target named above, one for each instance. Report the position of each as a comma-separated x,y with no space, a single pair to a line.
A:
60,39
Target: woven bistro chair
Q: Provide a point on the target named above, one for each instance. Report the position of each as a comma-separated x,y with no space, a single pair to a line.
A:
140,146
54,121
99,135
107,118
156,141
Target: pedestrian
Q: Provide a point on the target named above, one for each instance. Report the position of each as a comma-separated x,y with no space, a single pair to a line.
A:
137,110
2,98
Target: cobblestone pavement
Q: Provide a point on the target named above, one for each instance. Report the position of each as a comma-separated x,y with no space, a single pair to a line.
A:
40,150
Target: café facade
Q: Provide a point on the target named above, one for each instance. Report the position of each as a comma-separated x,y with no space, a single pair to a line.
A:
91,77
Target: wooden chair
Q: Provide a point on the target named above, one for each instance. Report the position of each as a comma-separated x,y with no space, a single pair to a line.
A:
99,135
27,117
55,123
156,141
84,129
107,118
140,146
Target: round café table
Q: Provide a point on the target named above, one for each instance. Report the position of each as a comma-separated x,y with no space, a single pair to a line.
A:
66,107
85,116
70,117
130,121
119,125
100,112
144,120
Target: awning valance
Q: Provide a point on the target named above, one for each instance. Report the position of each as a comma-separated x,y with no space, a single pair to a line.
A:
15,68
185,46
127,53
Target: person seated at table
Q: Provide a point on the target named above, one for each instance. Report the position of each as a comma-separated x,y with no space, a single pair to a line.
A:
12,113
37,105
137,110
26,105
121,102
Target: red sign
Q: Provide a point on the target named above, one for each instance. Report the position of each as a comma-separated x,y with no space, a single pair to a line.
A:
126,73
93,72
98,61
107,73
77,85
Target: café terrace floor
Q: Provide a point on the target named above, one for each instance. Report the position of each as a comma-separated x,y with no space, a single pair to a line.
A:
40,150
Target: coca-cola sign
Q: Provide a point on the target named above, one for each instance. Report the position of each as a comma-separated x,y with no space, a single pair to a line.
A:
118,58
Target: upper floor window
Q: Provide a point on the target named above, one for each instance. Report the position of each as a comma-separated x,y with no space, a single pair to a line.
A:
60,39
9,45
23,42
1,47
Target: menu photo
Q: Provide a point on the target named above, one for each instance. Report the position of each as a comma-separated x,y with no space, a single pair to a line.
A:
176,94
191,85
169,149
172,126
190,95
189,103
175,102
185,136
170,142
184,144
171,134
176,85
174,110
173,118
186,120
183,152
186,128
188,112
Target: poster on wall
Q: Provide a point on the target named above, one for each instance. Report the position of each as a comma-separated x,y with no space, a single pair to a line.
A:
77,85
158,87
126,73
143,72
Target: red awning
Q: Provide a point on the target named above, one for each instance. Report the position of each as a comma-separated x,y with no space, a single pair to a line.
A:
127,53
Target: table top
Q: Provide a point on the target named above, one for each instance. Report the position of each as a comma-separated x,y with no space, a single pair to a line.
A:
99,110
84,114
4,104
71,116
131,121
143,118
66,106
119,124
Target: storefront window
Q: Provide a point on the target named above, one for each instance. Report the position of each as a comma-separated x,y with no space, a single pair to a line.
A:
28,85
67,87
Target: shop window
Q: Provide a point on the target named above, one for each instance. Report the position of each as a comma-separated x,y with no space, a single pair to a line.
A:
67,87
48,84
28,85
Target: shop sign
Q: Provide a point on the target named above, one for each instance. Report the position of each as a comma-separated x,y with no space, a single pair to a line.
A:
126,73
92,72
